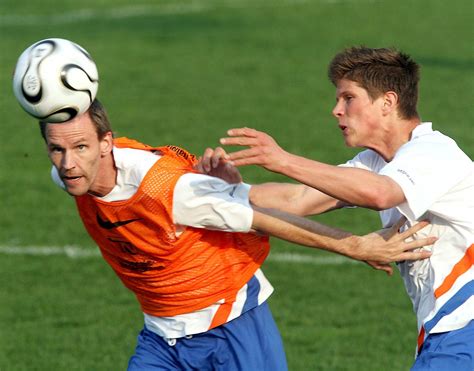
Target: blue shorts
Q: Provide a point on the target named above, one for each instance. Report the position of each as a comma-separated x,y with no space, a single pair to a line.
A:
249,342
453,350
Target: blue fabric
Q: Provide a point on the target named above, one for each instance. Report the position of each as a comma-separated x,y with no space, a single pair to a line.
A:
447,351
253,289
249,342
461,296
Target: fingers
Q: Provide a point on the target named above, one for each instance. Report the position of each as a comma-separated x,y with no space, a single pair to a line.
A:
417,255
412,255
394,229
399,224
211,159
205,160
243,137
244,132
218,156
406,253
413,229
249,153
239,141
387,268
384,267
415,244
262,149
199,166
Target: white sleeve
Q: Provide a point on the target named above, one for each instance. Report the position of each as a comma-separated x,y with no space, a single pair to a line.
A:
367,160
426,172
56,178
203,201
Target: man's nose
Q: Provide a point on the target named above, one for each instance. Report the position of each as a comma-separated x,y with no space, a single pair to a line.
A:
68,161
337,111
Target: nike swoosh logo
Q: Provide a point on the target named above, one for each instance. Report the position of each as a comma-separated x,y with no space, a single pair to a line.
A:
107,224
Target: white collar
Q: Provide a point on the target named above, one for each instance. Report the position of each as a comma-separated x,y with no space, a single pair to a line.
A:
422,129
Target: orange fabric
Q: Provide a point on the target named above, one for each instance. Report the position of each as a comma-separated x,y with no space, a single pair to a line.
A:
421,338
460,268
222,314
169,275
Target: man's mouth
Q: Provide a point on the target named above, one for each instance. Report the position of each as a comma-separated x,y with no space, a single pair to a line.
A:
69,180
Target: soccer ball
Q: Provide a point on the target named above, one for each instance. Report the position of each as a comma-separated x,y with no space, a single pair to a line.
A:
55,80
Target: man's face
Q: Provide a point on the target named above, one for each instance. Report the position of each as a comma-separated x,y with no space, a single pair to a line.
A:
359,117
75,150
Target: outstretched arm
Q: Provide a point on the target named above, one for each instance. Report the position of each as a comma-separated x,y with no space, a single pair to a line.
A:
297,199
352,186
379,248
223,206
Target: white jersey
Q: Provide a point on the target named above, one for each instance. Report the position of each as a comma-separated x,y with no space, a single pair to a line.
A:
437,179
220,206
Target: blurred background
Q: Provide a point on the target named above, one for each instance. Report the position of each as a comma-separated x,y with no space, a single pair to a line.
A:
182,73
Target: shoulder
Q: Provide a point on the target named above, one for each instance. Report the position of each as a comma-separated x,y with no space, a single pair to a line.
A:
134,164
130,157
427,144
368,160
204,182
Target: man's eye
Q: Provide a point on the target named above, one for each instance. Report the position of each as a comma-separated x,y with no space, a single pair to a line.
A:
81,147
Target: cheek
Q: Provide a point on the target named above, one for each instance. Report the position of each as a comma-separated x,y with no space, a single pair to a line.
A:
93,164
364,117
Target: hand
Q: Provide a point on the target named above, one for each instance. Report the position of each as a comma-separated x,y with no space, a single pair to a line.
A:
263,151
389,245
213,162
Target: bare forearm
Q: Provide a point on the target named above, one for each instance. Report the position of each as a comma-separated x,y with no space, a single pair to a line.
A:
353,186
304,231
382,247
297,199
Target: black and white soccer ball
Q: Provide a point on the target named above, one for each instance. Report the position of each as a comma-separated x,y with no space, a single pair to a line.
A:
55,80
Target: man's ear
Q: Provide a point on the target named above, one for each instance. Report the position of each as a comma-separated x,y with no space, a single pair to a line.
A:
106,144
390,102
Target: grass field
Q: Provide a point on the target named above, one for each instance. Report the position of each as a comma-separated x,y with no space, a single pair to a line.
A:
182,72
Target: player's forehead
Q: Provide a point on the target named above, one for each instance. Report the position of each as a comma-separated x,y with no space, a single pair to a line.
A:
345,86
79,128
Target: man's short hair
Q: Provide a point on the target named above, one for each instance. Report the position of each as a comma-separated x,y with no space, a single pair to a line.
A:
379,71
99,117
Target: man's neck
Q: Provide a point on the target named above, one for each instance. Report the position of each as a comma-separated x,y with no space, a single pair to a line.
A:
396,135
106,178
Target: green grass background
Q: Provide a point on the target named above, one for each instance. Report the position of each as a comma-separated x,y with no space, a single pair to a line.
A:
183,72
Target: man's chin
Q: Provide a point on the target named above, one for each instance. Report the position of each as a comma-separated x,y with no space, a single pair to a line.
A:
76,192
351,141
348,142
